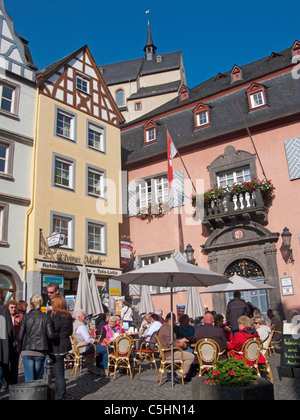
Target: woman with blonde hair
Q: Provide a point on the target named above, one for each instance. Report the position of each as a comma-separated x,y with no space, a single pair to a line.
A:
63,328
35,332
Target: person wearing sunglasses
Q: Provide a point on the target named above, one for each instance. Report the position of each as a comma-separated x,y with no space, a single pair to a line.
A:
263,331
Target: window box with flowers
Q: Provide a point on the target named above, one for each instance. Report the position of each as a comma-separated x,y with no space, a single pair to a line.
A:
232,379
152,211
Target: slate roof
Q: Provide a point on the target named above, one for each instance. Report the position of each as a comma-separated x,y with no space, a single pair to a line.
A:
282,95
130,70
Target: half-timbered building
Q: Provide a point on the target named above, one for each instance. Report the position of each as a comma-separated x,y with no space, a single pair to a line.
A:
77,164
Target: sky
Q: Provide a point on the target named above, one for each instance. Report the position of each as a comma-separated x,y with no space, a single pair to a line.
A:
212,35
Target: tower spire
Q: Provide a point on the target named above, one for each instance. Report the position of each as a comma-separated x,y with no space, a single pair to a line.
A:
150,48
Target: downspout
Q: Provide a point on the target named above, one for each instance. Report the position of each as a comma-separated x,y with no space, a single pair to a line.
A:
30,209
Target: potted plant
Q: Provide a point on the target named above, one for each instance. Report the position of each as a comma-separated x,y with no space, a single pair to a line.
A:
153,210
232,379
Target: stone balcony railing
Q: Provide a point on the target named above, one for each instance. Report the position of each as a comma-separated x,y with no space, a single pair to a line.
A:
230,208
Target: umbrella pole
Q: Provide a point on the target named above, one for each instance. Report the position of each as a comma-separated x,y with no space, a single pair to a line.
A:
172,334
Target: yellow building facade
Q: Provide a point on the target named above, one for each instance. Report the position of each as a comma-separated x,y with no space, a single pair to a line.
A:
76,177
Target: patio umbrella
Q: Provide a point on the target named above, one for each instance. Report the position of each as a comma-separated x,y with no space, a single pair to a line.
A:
238,283
146,304
96,296
193,307
172,273
84,299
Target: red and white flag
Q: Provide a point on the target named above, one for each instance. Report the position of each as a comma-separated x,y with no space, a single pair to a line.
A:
172,152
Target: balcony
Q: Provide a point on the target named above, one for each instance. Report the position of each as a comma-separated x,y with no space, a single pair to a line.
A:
230,209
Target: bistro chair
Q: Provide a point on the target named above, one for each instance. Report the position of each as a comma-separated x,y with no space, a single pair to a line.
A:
207,352
80,360
119,357
146,352
251,351
166,364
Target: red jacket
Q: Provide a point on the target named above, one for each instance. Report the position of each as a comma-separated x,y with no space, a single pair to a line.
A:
239,339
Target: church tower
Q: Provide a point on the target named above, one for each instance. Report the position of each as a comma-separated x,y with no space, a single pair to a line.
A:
150,48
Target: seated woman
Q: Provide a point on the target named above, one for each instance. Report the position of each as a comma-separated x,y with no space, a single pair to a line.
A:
219,323
263,331
245,332
109,330
185,330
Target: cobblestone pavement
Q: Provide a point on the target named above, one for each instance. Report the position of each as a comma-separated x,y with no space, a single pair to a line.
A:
87,386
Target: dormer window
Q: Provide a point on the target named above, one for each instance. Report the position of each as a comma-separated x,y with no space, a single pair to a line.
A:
236,74
296,49
184,93
201,115
150,132
256,96
158,58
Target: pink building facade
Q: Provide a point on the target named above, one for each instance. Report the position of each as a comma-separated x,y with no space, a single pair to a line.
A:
235,130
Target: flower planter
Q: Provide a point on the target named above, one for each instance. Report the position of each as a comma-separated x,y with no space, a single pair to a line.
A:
261,389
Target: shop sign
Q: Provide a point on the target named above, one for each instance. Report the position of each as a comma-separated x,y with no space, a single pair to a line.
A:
109,272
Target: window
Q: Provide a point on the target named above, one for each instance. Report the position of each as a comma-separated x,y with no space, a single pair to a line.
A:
65,124
150,135
3,157
148,260
154,190
64,172
236,74
65,225
202,118
257,99
120,97
82,84
6,158
3,224
227,179
138,106
256,96
9,97
96,237
201,115
95,185
96,138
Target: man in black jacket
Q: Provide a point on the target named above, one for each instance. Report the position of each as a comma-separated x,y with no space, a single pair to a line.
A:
236,307
7,339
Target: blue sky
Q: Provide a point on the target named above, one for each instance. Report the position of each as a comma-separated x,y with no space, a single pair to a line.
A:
212,35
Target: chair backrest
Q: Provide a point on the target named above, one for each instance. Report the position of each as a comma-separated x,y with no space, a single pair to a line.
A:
152,343
160,348
123,345
207,350
252,349
74,345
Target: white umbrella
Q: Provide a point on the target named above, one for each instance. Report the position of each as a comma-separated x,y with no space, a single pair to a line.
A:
238,283
172,273
193,307
146,304
84,299
96,296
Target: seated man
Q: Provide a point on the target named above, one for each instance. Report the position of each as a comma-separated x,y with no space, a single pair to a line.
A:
184,329
164,336
155,326
83,337
245,332
208,330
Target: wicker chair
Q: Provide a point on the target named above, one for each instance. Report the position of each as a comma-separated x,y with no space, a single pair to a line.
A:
146,352
166,365
251,351
207,352
119,357
80,359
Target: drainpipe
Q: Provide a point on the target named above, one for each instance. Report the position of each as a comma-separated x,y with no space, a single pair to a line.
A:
30,209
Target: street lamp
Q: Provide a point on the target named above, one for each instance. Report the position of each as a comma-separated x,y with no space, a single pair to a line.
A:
286,239
189,252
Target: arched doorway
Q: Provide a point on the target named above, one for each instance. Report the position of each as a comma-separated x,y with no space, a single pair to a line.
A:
8,284
249,269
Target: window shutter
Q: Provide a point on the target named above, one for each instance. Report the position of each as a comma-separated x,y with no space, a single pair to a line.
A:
178,183
132,198
292,150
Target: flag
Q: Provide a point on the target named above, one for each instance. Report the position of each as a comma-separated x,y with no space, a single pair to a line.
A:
147,11
172,152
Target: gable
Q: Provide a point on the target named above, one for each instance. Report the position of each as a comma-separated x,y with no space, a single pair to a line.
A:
12,49
78,83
